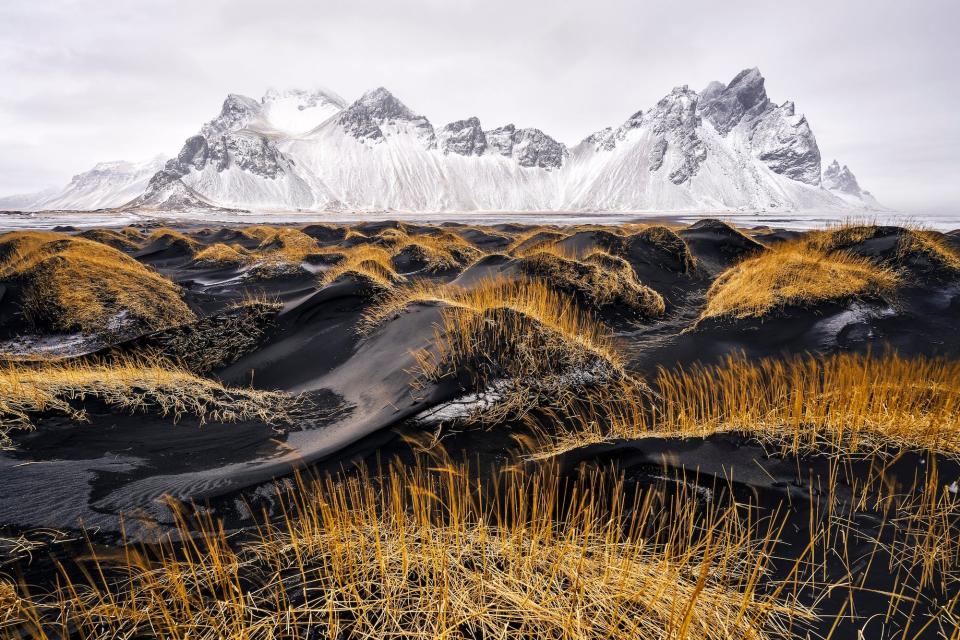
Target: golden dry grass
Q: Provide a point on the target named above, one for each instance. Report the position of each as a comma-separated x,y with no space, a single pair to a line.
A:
519,343
533,240
173,237
517,339
128,384
794,273
850,401
847,403
527,297
220,254
439,252
76,284
912,243
667,240
115,239
426,554
366,261
600,278
281,250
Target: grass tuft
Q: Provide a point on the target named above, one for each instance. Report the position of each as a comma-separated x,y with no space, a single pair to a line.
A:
365,261
790,274
603,280
133,384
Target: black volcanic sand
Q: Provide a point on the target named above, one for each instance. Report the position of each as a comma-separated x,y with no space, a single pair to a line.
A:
65,475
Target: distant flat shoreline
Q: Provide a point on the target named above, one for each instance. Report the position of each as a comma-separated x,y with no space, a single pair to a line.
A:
18,220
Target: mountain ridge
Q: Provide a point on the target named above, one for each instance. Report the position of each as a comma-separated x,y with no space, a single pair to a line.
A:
727,147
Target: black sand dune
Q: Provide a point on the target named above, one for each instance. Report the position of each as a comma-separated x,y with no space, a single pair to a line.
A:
358,392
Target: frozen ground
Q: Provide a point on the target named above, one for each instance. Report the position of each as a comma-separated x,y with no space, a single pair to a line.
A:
782,220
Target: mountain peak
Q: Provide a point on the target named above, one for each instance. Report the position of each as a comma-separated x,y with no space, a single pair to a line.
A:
744,95
378,107
464,137
837,178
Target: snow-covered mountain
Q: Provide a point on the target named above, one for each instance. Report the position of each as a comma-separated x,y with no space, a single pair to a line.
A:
108,184
727,147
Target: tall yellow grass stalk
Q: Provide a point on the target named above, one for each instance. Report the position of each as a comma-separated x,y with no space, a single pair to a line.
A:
846,403
428,553
852,401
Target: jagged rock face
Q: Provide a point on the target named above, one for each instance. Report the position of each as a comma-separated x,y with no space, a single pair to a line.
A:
837,178
657,152
785,143
167,191
529,147
501,139
365,118
252,153
608,138
745,96
534,148
777,136
675,120
463,137
195,153
249,151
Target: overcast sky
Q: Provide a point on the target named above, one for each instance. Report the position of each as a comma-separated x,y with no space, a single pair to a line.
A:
90,80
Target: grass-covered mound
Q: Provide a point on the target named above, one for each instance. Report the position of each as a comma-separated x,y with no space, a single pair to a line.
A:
916,250
268,252
65,283
170,243
794,274
368,263
601,279
122,241
132,384
438,252
516,339
220,254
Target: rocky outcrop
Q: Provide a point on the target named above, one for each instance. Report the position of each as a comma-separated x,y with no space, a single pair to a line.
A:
365,118
675,121
778,137
529,147
744,97
785,143
463,137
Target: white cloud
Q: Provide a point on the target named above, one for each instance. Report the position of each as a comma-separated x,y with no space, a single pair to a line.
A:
86,81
